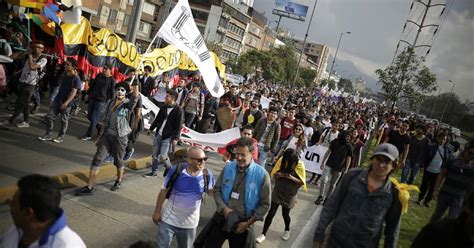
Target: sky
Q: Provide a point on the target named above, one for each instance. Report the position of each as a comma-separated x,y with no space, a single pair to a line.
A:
376,27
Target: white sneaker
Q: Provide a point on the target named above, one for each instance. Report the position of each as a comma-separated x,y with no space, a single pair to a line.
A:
22,124
286,235
260,238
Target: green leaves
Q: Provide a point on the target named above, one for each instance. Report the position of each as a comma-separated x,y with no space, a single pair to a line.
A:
278,64
407,79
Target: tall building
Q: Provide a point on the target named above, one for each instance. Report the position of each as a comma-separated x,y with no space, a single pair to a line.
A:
227,25
317,54
256,31
115,15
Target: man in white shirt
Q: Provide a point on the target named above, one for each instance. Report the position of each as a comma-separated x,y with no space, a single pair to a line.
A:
161,88
38,219
184,189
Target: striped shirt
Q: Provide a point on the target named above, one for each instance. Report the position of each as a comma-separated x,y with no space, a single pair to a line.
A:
459,177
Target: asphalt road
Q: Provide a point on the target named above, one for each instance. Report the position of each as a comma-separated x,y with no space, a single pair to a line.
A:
120,218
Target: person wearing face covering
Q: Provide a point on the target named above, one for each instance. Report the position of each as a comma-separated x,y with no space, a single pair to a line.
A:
113,137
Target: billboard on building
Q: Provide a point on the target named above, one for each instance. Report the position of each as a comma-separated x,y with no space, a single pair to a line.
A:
290,9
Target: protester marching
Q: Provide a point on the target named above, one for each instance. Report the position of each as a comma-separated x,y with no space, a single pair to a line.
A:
268,133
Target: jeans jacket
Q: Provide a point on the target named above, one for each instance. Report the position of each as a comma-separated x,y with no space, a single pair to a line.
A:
431,151
358,216
125,108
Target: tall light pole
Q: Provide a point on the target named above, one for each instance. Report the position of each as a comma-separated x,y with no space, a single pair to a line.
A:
434,103
335,55
446,104
304,43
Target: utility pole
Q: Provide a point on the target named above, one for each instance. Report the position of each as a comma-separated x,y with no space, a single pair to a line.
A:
134,22
414,44
163,17
446,104
304,43
335,55
434,104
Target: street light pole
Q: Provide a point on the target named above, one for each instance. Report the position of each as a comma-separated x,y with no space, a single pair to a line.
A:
304,43
446,104
335,55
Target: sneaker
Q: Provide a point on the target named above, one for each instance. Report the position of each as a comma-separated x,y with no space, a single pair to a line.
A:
286,235
58,139
319,201
426,204
85,138
46,137
22,124
151,174
117,185
128,155
260,238
84,191
6,124
109,159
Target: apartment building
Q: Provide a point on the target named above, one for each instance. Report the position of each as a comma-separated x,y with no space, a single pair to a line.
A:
317,54
256,31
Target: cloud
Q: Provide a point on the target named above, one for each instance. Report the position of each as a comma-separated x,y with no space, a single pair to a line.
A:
376,27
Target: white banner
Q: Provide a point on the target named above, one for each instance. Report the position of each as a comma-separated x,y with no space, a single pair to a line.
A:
234,78
265,102
209,141
149,111
312,158
180,30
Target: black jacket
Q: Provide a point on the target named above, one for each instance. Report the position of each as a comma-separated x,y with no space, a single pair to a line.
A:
146,86
102,88
173,124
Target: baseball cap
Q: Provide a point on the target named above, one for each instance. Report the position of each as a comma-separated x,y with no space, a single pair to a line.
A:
388,150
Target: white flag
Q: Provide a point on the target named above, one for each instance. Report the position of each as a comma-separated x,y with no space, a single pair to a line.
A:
181,31
312,158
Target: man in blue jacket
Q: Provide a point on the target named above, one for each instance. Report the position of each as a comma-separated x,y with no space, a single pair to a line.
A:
242,195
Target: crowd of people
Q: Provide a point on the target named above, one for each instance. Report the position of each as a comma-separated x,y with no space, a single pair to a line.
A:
278,124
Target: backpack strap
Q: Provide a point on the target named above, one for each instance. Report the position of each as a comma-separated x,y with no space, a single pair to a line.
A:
174,177
206,179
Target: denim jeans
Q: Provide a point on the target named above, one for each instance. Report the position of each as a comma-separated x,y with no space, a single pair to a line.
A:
25,91
53,112
53,92
411,168
445,201
94,111
328,173
184,236
161,148
262,156
189,119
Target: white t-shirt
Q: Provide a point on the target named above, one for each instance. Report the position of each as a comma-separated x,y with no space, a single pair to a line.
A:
160,92
183,207
168,110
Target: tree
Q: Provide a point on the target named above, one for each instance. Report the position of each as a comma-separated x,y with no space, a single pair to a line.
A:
406,79
346,84
306,76
215,47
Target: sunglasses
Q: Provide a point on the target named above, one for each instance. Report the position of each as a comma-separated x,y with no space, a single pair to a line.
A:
200,160
298,129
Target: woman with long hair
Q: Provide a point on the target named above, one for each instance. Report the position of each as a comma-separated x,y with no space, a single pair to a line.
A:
289,173
296,141
357,144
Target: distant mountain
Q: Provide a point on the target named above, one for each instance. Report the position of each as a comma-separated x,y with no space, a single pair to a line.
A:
348,70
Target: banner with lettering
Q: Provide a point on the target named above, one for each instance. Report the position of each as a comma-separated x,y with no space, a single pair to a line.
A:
209,141
180,30
93,49
312,158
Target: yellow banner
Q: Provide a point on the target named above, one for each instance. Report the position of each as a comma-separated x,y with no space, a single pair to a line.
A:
104,42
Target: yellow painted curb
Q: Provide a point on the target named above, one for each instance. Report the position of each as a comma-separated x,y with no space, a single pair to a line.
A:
67,180
141,163
7,192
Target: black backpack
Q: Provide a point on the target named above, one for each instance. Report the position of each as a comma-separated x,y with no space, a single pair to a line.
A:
177,172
